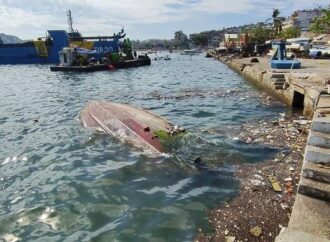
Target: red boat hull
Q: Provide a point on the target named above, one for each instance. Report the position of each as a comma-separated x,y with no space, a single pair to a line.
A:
130,124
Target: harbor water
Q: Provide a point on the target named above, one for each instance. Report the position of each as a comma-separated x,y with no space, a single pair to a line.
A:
61,182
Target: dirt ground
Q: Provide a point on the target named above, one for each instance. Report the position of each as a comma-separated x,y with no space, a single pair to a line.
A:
259,212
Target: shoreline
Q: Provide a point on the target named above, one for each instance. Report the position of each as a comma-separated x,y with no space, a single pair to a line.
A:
259,213
258,205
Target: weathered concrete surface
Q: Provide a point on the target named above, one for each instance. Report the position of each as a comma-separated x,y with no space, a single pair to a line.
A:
289,235
311,211
319,139
310,218
314,188
310,80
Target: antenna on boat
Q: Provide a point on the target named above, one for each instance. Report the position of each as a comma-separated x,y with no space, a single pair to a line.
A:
70,22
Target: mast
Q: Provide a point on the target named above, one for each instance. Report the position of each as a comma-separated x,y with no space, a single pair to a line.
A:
70,22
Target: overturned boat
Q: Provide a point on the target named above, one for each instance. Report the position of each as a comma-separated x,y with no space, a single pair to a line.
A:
133,125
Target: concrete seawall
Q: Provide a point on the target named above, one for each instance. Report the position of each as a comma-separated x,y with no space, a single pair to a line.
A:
297,88
305,89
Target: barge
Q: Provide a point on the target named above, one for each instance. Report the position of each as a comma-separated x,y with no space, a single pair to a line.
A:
45,50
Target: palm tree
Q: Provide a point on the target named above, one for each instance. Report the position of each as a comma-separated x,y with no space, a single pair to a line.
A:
275,14
276,21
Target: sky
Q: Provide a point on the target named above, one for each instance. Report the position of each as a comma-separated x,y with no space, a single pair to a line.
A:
142,19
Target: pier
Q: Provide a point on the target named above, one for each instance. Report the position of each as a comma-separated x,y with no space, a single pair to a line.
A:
305,89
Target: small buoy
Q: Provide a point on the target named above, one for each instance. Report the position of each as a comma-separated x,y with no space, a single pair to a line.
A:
111,67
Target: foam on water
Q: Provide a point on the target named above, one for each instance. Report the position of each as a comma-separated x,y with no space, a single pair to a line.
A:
49,217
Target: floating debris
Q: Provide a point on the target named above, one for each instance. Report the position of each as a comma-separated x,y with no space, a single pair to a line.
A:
16,200
275,184
10,238
256,231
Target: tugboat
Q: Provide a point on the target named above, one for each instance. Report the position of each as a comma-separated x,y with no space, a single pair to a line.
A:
79,60
83,60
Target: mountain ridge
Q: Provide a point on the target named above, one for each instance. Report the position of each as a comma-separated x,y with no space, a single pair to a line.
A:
9,39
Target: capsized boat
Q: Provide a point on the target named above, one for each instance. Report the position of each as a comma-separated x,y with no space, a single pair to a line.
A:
133,125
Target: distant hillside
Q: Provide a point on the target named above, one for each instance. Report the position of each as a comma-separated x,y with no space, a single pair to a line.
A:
9,39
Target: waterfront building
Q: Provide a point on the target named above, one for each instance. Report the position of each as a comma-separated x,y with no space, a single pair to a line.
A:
231,40
301,19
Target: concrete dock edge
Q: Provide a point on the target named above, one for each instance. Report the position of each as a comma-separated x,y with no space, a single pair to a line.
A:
306,89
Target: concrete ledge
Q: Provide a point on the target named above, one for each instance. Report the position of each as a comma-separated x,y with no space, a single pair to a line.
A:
317,155
324,101
279,81
319,139
277,75
311,216
314,189
290,235
321,125
315,172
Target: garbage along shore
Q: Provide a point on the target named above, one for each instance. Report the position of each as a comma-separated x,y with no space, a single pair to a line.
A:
268,190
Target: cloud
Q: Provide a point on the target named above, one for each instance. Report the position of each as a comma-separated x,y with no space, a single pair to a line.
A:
102,16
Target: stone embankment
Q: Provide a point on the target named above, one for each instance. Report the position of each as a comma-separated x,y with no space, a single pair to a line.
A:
307,89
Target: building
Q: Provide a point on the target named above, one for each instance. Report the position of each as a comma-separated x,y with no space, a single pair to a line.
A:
231,40
302,19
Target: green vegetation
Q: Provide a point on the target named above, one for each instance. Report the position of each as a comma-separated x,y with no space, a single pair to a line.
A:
162,135
260,34
166,138
275,14
288,33
200,40
321,24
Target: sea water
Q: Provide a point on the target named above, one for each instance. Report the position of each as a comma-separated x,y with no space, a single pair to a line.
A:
61,182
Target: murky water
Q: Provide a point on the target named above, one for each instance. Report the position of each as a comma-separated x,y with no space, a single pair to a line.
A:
60,182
